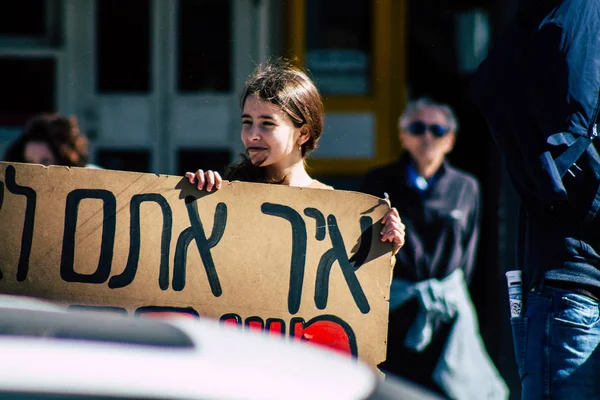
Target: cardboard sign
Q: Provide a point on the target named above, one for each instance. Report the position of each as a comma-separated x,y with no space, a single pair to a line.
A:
304,263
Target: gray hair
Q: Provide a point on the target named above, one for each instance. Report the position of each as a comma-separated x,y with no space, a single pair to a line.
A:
425,102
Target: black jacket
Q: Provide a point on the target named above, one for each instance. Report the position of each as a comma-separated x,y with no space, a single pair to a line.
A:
539,90
442,230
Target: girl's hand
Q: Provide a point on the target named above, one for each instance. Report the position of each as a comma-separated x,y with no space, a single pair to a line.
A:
393,229
205,180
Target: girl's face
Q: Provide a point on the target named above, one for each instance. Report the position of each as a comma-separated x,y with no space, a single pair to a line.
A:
39,153
269,135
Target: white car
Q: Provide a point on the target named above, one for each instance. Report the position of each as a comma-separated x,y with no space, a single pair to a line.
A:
49,354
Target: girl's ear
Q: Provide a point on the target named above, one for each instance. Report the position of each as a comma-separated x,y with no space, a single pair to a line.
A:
304,134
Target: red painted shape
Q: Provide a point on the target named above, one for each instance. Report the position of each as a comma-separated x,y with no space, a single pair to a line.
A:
255,325
230,321
324,333
297,330
275,328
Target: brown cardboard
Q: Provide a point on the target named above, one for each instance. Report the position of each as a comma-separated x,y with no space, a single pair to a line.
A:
252,258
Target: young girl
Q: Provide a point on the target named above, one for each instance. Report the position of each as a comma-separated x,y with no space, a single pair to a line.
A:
282,121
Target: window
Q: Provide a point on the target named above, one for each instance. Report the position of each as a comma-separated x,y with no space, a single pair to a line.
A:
124,160
23,18
123,46
204,46
193,159
338,46
28,88
30,22
355,54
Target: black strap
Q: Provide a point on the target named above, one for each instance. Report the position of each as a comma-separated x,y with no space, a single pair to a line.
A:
571,155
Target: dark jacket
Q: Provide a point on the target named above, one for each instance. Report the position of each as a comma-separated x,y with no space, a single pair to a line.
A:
539,91
442,230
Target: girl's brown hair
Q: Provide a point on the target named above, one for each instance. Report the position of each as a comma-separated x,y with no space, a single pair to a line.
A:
288,87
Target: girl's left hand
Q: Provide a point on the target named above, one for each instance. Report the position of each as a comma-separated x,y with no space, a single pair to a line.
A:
393,229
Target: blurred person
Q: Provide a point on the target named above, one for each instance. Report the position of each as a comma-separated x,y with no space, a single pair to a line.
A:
50,139
539,91
433,335
282,121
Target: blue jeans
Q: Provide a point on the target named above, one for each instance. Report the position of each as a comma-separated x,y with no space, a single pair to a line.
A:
556,345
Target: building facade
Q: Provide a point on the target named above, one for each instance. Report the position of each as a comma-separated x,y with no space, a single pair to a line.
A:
155,84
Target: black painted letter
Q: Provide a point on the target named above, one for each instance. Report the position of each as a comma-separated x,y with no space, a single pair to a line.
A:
128,274
196,232
27,237
348,266
1,201
67,269
298,251
321,228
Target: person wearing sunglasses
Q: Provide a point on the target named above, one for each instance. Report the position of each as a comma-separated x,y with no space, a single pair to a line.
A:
440,207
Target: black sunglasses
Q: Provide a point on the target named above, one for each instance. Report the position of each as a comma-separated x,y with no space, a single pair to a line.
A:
418,128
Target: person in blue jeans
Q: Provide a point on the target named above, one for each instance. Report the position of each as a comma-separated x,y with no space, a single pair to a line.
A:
539,91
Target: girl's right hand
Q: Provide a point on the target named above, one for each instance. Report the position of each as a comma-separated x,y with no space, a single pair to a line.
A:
205,180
